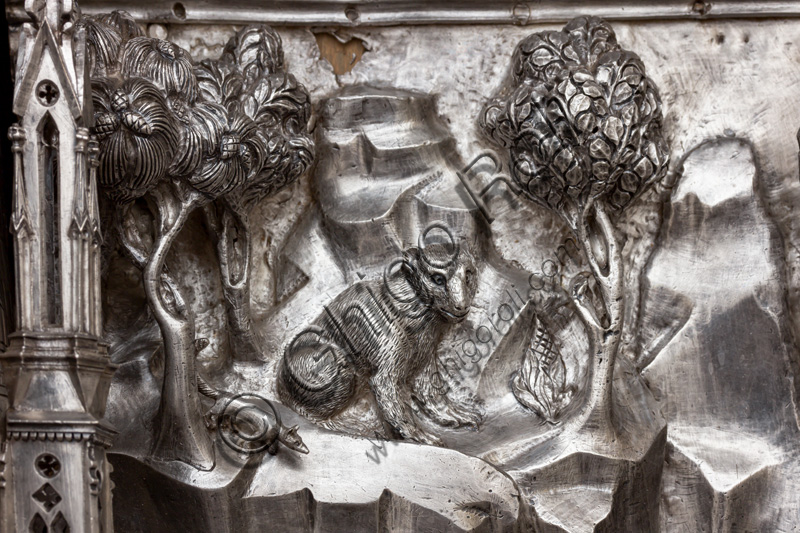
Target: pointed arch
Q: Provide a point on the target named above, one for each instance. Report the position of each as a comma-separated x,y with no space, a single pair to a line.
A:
59,524
38,525
49,178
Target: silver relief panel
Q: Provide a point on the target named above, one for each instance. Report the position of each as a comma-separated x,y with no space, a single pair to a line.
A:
448,277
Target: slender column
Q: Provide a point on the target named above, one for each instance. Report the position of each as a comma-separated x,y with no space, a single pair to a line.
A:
96,241
80,237
54,475
21,227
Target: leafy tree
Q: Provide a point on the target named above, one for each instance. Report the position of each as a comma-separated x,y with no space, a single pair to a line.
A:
582,125
220,136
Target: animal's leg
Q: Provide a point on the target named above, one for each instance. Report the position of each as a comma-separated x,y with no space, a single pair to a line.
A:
430,394
395,410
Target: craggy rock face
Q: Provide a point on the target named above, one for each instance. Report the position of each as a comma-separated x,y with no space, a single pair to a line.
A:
444,278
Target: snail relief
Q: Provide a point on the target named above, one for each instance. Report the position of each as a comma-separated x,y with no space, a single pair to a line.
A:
381,336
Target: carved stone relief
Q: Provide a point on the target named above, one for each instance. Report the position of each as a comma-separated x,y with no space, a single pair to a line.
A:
544,283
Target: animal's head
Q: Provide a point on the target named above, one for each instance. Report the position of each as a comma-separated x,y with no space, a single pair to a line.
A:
444,277
291,439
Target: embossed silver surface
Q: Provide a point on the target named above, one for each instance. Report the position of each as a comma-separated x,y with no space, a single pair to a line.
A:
403,267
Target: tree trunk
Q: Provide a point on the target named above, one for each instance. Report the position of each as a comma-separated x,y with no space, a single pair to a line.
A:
181,434
229,230
604,339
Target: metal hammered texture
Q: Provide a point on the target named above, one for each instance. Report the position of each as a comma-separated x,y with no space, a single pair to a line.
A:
396,268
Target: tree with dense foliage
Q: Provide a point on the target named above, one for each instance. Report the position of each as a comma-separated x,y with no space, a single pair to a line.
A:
582,125
219,135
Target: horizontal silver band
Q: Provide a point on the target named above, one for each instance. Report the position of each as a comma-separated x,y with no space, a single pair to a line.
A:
389,13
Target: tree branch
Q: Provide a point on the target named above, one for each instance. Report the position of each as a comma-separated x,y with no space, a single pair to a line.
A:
611,284
586,312
131,239
223,219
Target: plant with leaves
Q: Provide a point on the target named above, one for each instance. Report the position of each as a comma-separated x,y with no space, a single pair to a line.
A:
541,382
249,81
168,139
582,125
